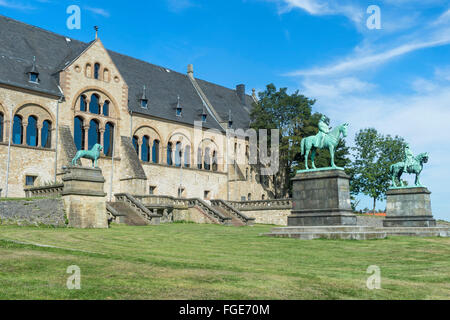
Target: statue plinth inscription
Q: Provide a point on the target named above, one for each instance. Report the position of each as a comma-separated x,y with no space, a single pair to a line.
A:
409,207
321,198
84,198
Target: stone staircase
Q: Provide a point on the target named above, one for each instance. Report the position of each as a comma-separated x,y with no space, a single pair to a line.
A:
212,213
237,218
130,211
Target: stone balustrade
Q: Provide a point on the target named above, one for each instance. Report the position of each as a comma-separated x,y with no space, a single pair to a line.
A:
45,191
277,204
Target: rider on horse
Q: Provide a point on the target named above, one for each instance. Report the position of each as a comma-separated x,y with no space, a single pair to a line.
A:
409,157
324,129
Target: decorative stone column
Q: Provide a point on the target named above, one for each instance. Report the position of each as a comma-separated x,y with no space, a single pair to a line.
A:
24,132
84,197
409,207
321,198
86,137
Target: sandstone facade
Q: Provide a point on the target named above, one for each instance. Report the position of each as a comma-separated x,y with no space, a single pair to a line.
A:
65,113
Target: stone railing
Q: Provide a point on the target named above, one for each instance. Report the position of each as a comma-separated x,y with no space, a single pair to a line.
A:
162,201
224,205
138,207
277,204
45,191
209,210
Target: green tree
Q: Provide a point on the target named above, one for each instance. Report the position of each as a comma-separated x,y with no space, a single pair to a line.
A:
373,155
292,115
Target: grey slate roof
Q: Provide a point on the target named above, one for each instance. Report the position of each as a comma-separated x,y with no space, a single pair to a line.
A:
225,100
20,42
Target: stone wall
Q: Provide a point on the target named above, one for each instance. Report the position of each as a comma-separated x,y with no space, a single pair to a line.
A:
33,212
275,217
192,215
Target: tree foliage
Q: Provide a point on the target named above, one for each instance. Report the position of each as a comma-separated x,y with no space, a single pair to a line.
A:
373,155
292,114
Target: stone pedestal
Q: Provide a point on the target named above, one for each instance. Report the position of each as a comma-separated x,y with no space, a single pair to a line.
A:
409,207
84,198
321,198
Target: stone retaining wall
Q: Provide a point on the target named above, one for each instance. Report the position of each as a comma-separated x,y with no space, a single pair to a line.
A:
33,212
275,217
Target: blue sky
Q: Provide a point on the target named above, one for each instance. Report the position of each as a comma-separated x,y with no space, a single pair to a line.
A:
396,79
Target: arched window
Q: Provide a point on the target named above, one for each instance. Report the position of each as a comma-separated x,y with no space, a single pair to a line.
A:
108,140
1,126
263,197
93,134
187,157
88,70
17,130
106,75
145,154
96,70
136,144
83,104
46,134
246,174
169,154
155,151
249,197
199,158
214,161
207,160
79,133
32,132
247,154
94,105
178,154
106,108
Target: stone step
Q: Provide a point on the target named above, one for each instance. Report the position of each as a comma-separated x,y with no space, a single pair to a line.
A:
355,232
416,231
330,235
323,229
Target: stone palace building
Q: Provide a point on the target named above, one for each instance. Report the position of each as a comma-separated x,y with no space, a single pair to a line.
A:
59,95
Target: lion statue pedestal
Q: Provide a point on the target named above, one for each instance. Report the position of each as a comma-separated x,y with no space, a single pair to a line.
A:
409,207
84,197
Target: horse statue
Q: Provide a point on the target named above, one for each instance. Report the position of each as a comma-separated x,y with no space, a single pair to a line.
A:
93,154
329,141
396,170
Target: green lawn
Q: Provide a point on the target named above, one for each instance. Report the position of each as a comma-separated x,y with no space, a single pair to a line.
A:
189,261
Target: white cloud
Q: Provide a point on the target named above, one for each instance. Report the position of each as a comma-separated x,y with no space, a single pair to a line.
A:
335,88
15,5
98,11
364,61
323,7
180,5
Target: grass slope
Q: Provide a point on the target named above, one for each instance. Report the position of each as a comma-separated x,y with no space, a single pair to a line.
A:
188,261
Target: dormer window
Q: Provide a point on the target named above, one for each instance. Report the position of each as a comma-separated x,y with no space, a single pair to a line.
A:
33,73
230,120
34,77
179,109
144,100
204,116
